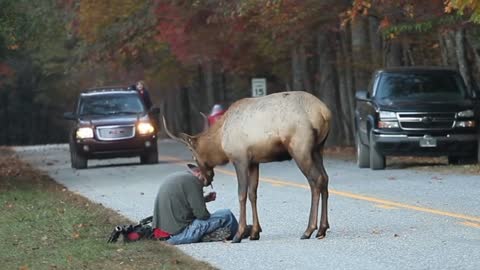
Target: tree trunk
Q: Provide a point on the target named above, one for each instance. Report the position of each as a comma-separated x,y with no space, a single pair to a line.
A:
375,42
448,52
209,83
393,53
462,57
297,76
326,87
346,91
360,52
307,83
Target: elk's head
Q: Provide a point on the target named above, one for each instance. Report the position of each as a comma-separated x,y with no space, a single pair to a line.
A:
192,143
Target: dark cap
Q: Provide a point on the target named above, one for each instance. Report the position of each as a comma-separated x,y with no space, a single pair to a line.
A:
192,167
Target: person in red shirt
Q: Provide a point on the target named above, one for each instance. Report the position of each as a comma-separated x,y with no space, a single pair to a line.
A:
215,114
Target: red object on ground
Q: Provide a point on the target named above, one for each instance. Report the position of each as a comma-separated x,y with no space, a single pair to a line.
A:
133,236
157,233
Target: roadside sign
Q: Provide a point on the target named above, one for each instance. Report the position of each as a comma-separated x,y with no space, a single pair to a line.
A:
259,87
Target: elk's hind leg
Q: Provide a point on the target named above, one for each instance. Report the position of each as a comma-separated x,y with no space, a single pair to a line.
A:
301,152
322,184
252,196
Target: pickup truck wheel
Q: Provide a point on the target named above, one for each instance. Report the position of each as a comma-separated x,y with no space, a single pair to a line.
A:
78,161
377,160
363,153
149,157
477,156
454,160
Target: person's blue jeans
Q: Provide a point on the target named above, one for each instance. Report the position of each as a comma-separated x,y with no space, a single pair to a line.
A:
194,232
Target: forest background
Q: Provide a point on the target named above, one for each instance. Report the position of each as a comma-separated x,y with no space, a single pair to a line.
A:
193,53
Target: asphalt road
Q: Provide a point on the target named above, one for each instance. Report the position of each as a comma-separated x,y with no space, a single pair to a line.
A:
391,219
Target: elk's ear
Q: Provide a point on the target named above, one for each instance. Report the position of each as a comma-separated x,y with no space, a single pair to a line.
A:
205,121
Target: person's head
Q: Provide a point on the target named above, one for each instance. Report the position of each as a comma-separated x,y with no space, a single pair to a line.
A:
198,173
140,85
217,108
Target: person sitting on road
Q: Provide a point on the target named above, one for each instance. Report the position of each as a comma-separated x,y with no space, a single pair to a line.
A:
180,210
215,114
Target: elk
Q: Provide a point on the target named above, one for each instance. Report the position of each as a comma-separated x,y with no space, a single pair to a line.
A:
276,127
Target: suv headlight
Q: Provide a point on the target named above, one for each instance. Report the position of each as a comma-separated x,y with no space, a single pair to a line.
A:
145,128
85,133
467,113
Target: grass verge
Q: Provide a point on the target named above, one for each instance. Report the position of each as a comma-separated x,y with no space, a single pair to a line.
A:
44,226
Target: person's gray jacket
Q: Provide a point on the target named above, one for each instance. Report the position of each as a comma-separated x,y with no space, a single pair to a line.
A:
179,201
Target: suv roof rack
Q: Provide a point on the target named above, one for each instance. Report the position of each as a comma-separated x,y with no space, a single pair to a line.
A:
106,89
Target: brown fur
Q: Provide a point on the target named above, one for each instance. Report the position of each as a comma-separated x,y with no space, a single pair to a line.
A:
282,126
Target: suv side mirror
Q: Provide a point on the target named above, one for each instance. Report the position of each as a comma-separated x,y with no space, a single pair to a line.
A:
69,116
362,95
155,110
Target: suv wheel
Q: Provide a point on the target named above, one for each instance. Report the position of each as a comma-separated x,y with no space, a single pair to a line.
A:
363,153
78,161
149,157
377,160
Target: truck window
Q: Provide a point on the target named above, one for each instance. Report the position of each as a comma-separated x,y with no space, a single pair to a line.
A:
432,86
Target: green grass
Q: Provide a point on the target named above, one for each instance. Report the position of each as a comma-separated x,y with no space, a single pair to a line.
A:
44,226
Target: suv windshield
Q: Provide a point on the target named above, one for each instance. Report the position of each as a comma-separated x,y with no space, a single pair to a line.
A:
105,104
428,86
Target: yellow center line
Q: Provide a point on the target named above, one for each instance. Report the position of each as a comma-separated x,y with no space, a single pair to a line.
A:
347,194
470,224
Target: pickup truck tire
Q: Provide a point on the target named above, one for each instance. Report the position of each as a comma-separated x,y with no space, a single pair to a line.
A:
363,153
78,161
477,160
149,157
377,160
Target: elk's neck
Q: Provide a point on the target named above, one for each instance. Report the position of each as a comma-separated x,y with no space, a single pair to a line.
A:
210,146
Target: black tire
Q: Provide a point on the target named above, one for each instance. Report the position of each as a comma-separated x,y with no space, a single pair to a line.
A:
377,160
363,153
455,160
452,160
149,157
78,161
477,156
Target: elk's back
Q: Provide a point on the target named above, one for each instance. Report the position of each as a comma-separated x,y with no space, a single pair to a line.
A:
269,123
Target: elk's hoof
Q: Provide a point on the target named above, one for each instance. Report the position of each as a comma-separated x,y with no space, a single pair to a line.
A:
255,236
321,235
236,239
305,237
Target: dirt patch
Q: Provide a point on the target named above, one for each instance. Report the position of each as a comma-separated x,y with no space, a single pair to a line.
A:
431,164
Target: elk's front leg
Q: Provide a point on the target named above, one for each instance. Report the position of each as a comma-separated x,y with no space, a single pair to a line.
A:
252,196
242,178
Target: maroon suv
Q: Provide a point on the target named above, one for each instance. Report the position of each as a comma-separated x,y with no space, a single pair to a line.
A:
112,122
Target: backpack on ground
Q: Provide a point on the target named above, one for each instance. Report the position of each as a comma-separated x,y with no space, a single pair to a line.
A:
134,232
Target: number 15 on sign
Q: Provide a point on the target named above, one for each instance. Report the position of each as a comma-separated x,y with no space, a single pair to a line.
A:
259,87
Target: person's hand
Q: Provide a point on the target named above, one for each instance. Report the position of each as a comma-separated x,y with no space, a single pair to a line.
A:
210,196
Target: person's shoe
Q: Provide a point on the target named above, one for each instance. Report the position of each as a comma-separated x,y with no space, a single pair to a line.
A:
220,234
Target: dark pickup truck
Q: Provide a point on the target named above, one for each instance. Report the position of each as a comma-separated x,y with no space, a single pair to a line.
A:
416,111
